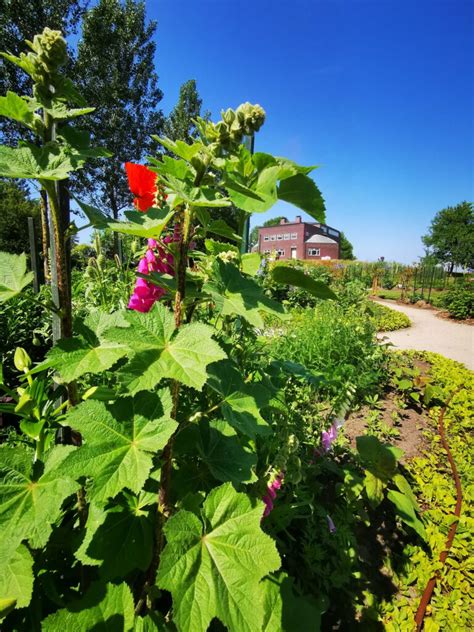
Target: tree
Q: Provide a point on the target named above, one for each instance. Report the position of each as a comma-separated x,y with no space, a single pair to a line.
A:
15,208
451,236
180,123
345,248
116,75
20,20
275,221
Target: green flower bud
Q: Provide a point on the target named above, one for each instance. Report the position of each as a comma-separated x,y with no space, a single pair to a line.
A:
101,261
21,359
50,48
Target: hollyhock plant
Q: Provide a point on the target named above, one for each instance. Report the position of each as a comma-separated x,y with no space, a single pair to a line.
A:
143,185
329,436
331,525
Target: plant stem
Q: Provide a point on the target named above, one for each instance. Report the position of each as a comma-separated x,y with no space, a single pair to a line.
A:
163,507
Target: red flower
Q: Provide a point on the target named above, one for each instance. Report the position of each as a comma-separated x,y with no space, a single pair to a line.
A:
142,183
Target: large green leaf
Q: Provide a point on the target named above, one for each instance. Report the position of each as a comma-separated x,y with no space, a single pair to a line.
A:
17,109
180,148
39,163
89,352
241,403
13,275
407,512
237,295
95,216
292,276
301,191
31,499
148,225
213,565
104,608
119,540
285,611
162,352
220,448
378,458
374,488
251,263
120,441
16,578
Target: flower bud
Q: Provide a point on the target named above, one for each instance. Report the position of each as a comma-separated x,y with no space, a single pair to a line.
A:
21,359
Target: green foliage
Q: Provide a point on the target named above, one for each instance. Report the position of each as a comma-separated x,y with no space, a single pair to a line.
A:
15,208
13,275
451,235
459,301
124,92
346,249
180,124
207,557
387,319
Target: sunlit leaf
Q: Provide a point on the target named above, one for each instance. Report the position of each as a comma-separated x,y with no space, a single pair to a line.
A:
13,275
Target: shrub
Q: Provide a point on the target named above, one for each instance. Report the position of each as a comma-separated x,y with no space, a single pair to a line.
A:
459,301
386,319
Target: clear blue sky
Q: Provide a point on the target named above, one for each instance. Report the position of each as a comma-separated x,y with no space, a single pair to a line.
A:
378,93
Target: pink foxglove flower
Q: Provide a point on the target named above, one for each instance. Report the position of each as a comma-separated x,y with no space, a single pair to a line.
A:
270,494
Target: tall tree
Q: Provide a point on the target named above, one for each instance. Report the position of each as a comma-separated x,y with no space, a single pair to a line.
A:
15,208
116,75
20,20
179,125
451,235
253,239
346,249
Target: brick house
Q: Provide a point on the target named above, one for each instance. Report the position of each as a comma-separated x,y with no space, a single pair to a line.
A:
299,240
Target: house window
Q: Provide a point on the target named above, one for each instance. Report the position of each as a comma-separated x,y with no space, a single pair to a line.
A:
279,237
286,236
293,235
313,252
272,238
265,238
266,252
280,252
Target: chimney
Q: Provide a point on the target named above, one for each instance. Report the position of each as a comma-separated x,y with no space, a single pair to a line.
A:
282,221
298,219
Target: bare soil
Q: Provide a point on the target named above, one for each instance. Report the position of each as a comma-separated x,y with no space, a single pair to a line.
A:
410,424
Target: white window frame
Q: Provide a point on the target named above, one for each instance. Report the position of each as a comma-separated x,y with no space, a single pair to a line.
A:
266,252
272,238
314,252
286,236
266,238
294,235
279,237
281,252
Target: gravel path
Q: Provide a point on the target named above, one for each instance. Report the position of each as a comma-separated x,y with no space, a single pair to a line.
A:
430,333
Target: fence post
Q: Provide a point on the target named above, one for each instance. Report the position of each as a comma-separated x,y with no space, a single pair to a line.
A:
431,282
34,255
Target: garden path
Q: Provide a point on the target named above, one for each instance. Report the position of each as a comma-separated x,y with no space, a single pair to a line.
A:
429,333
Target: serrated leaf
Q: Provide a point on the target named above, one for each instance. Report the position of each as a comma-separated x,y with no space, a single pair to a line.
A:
13,275
301,191
89,352
241,403
148,225
17,109
30,500
292,276
103,608
251,263
285,611
16,579
213,566
235,294
180,148
220,227
161,352
94,215
119,541
219,447
38,163
120,441
406,512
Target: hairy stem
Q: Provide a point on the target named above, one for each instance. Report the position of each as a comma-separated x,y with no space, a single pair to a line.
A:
163,505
